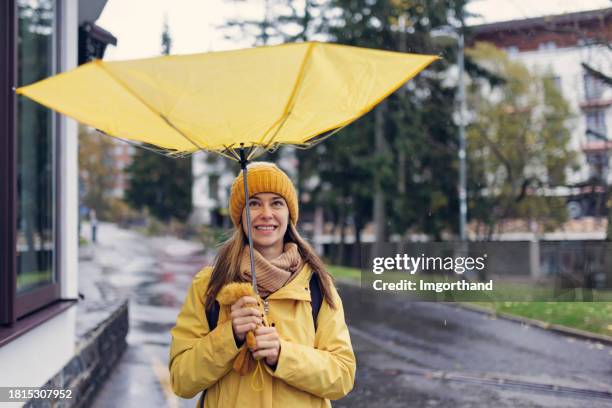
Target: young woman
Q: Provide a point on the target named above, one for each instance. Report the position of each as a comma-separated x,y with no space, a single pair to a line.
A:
302,366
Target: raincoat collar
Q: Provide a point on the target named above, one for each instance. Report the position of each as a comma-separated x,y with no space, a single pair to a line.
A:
298,288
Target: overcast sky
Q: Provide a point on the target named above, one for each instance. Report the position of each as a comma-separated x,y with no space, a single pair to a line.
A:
137,24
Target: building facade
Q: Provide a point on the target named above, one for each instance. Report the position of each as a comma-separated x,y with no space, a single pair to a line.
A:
39,189
574,47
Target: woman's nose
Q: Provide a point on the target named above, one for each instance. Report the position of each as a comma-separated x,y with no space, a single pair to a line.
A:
266,211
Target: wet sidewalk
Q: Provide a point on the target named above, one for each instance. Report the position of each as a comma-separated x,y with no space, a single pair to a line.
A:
153,274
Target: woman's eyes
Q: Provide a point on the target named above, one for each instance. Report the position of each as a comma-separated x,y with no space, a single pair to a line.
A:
276,204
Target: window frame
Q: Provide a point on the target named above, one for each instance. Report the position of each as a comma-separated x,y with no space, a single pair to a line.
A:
8,188
596,117
592,86
15,307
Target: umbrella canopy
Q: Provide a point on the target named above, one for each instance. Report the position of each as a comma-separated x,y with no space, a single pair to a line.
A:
235,103
258,97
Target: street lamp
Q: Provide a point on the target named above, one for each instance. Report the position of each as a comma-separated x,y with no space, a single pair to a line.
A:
457,35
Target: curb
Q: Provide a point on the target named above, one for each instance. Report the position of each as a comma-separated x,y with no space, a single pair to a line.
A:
538,323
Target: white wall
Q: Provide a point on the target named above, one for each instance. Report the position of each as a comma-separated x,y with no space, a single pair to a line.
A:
69,164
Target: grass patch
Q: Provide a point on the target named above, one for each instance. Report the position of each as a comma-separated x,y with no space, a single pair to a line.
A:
595,317
344,272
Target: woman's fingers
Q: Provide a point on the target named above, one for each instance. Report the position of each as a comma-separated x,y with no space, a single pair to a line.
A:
265,353
248,319
243,325
266,337
266,344
245,319
242,329
265,331
247,311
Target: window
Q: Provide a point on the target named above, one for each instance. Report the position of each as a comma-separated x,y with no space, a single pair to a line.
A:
213,186
557,82
30,280
598,164
593,87
547,46
512,50
596,125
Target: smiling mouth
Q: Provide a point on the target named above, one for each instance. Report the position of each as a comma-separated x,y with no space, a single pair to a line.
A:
266,227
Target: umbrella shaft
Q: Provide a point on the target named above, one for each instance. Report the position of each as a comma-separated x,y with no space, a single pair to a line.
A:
243,165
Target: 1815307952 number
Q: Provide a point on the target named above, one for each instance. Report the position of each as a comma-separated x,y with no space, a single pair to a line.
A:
28,393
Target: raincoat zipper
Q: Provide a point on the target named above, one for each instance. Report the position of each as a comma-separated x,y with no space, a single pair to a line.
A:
266,306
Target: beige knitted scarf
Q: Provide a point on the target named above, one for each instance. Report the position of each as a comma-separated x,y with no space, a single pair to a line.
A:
271,274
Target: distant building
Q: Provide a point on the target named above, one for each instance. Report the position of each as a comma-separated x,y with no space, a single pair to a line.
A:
122,157
212,179
39,189
565,44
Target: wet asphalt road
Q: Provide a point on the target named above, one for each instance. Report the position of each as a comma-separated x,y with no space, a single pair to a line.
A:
428,354
409,354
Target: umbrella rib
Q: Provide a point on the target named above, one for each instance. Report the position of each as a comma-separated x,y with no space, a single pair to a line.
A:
231,150
288,106
135,95
315,140
227,156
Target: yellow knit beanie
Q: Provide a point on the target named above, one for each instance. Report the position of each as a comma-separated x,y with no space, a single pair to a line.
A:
263,177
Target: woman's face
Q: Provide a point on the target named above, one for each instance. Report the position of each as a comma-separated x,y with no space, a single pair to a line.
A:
269,220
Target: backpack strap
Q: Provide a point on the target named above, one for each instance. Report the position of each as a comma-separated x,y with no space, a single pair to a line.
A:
212,316
316,297
201,404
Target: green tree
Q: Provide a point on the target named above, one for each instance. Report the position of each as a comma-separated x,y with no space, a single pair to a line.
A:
97,170
518,145
161,184
415,161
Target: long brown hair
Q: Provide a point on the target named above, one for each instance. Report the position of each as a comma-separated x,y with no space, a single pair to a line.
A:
226,268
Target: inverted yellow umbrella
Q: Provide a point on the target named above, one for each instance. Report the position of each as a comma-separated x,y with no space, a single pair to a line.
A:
235,103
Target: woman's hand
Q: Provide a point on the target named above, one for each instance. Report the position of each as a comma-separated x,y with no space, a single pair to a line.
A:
268,345
245,319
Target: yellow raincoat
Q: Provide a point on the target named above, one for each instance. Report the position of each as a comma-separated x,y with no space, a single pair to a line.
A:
312,368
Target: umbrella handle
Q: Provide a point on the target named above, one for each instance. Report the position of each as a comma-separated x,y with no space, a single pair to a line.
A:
243,166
